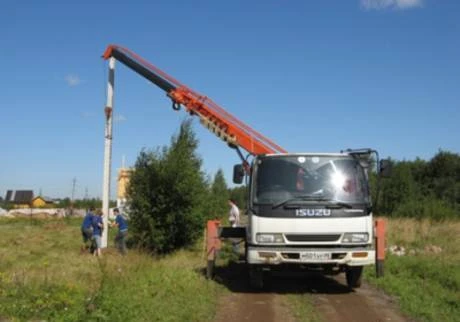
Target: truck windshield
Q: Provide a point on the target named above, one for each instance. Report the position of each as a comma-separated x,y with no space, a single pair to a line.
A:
337,178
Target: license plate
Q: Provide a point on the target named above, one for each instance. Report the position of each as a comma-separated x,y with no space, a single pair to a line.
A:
315,256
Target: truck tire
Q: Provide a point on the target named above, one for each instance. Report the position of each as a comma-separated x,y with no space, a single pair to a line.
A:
256,278
354,276
245,251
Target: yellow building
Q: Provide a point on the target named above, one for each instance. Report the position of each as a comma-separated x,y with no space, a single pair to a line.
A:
124,175
41,202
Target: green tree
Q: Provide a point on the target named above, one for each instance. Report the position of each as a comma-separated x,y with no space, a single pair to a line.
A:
167,195
240,195
64,203
88,203
443,172
218,196
146,199
400,188
423,189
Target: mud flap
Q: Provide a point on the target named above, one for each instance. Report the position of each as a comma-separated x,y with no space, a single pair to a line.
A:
210,268
354,276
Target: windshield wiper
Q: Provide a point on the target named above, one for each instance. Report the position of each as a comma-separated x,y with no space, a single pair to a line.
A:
338,205
312,197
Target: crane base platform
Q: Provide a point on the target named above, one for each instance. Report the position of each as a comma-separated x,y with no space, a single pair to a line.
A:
232,232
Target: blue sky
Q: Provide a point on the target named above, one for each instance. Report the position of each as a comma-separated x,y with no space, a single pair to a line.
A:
314,76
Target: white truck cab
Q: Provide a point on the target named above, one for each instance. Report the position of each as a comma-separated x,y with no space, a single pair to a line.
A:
310,210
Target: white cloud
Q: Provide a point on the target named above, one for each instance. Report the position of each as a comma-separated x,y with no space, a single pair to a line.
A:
119,118
390,4
73,80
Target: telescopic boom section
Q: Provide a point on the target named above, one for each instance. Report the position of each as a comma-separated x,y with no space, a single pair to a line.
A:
212,116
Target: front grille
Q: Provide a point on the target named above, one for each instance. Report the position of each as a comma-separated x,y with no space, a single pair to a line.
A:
313,238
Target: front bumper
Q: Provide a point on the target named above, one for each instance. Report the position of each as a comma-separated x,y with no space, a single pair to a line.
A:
353,256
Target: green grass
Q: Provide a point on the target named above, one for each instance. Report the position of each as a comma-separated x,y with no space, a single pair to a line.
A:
44,276
302,307
426,284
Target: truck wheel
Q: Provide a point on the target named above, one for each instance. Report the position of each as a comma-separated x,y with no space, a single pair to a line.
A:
354,275
256,278
210,269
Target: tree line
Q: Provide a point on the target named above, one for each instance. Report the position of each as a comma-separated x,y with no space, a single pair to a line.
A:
421,189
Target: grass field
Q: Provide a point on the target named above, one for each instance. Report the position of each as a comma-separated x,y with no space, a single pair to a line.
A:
426,280
43,276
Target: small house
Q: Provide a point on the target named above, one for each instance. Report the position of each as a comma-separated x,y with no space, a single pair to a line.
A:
42,202
19,198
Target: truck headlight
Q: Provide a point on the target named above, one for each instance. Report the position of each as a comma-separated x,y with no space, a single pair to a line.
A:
270,238
353,238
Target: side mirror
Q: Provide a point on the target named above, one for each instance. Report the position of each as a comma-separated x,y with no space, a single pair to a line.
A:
238,173
385,168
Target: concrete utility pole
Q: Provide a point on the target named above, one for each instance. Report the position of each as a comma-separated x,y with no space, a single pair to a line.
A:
108,150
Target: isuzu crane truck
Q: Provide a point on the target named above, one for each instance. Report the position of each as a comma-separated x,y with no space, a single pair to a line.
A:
305,210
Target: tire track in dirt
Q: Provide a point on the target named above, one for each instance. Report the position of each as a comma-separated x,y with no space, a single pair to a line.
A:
246,304
361,305
254,307
331,298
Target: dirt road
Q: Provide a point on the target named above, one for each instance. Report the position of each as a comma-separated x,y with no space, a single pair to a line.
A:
332,300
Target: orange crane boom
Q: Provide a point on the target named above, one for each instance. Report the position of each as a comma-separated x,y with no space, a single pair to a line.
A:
224,125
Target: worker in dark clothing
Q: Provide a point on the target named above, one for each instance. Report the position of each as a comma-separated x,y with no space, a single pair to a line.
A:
87,230
98,227
120,238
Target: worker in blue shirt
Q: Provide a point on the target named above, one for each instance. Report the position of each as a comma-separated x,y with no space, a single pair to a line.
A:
120,238
98,226
87,230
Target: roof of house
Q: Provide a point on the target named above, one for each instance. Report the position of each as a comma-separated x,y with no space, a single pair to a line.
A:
19,196
45,199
